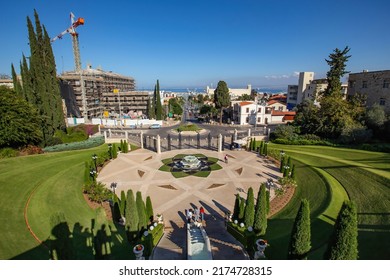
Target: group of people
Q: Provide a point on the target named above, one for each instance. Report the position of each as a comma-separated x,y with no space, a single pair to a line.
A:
195,215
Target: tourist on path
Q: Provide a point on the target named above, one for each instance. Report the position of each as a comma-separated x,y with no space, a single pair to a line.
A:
201,210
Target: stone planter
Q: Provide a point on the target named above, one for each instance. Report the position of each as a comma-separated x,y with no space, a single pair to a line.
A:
261,245
138,251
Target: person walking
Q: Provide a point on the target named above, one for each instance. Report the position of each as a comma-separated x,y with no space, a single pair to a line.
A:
201,210
197,214
226,158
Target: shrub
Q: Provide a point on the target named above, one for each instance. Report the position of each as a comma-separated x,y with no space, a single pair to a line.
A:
114,151
31,150
249,209
131,215
142,218
149,209
188,127
344,242
241,212
300,243
97,192
260,223
8,153
87,144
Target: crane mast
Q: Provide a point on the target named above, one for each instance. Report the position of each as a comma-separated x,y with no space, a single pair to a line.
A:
76,54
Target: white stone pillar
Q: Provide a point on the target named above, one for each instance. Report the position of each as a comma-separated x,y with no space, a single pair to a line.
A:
219,143
142,139
249,132
269,132
109,133
235,134
158,144
105,136
126,135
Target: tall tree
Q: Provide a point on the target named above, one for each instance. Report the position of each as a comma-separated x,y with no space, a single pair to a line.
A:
158,102
149,209
16,82
337,62
142,218
221,98
260,223
300,242
151,110
307,118
236,209
344,242
132,219
250,208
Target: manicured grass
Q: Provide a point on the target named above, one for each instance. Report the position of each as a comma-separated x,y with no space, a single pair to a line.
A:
54,182
361,176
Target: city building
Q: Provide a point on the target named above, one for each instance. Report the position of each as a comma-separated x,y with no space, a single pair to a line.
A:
374,85
234,92
106,94
248,112
7,82
308,88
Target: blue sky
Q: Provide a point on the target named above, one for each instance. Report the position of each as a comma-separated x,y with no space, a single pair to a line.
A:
188,44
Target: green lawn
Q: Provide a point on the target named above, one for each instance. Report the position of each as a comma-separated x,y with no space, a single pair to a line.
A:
54,182
337,174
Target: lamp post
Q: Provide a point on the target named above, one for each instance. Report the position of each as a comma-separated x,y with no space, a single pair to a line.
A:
269,184
94,158
92,173
113,188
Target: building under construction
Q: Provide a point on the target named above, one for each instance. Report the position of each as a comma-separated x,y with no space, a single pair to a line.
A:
106,94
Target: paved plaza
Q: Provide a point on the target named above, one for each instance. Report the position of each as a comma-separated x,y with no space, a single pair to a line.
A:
138,170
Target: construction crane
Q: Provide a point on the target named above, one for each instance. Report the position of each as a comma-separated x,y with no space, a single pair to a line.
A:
76,52
75,39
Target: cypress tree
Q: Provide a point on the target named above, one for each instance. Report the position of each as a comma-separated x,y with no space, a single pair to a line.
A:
236,209
265,149
293,172
116,213
289,161
344,242
131,215
261,148
16,82
114,151
142,218
221,98
121,145
249,209
149,210
268,201
122,205
27,83
241,212
300,243
260,224
158,102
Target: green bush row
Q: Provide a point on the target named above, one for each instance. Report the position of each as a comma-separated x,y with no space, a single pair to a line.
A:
87,144
300,141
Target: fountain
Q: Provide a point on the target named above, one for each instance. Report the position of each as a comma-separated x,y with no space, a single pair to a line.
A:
190,164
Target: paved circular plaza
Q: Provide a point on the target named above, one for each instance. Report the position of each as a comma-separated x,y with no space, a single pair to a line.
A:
138,170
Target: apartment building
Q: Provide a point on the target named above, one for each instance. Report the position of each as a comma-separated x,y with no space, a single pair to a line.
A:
375,85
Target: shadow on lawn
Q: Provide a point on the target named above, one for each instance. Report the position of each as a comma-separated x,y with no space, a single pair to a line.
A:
80,243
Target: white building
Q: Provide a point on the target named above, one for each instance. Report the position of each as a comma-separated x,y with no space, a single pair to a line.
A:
234,92
307,88
247,112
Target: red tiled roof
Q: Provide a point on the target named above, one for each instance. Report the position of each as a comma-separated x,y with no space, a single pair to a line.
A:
280,113
275,101
244,103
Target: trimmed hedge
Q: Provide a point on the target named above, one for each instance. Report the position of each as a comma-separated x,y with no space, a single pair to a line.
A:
87,144
302,142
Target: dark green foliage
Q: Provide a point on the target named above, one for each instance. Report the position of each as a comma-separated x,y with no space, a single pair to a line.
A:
307,117
249,209
142,218
158,102
300,242
116,211
260,223
337,62
221,98
151,110
114,151
267,201
97,192
122,205
241,212
121,146
16,82
236,209
344,243
19,122
131,215
265,148
261,148
149,210
175,107
292,175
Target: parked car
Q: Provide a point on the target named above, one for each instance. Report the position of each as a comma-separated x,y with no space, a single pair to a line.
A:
155,125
